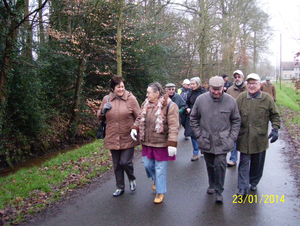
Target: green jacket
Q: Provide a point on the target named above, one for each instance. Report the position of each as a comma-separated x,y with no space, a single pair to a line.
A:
256,114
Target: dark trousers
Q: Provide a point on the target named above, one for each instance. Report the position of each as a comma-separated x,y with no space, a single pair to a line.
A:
122,161
216,169
250,169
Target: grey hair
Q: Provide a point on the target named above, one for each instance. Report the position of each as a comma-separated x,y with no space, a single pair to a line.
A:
196,79
157,87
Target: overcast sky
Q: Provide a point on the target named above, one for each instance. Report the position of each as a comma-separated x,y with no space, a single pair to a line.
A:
286,21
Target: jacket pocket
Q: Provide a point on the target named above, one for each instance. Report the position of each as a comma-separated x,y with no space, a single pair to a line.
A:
227,142
203,140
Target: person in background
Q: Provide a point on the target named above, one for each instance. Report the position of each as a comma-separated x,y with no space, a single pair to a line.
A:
157,127
120,112
256,109
197,90
227,84
215,120
183,92
238,87
176,98
186,87
269,88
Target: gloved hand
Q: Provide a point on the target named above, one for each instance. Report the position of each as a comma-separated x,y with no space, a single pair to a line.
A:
172,151
273,135
107,106
133,134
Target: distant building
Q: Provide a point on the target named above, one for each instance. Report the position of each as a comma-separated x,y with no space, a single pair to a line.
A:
290,70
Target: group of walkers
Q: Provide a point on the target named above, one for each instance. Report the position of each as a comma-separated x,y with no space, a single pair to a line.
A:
218,121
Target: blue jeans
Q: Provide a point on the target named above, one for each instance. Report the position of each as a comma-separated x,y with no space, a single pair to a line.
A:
233,156
195,146
157,170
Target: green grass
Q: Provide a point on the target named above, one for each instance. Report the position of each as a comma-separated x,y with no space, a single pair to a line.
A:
56,176
288,99
287,96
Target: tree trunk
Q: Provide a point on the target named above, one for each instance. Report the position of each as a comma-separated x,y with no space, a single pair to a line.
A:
41,26
79,79
119,39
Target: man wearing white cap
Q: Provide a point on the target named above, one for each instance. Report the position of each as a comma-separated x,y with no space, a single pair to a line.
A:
256,108
186,87
215,121
234,90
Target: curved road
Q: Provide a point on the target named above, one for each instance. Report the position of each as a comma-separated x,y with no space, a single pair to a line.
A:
186,202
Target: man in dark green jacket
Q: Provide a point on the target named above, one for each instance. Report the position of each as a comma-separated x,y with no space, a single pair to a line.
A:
256,108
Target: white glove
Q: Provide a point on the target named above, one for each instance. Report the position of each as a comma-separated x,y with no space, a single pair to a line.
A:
133,134
172,151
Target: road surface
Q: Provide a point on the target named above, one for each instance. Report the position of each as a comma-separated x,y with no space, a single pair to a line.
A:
276,202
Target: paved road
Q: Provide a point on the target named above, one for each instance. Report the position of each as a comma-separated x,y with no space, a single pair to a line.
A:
186,202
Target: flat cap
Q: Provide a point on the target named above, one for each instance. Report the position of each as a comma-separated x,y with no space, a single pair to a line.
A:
254,77
268,78
216,81
170,85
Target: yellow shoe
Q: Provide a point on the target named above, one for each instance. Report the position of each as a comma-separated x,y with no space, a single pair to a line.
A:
159,198
153,186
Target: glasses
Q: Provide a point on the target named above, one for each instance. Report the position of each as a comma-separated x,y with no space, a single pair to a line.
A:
253,84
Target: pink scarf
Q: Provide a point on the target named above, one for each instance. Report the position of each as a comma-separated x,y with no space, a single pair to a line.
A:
159,128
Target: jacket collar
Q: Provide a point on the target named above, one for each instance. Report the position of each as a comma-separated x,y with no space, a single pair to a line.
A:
259,96
124,97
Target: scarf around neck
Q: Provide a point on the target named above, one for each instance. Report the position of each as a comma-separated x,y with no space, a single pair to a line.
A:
159,128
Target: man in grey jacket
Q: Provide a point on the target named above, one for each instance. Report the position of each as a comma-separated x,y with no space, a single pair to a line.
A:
215,121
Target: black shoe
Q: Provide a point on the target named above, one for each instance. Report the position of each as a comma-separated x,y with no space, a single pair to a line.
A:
132,185
253,187
118,192
242,192
218,198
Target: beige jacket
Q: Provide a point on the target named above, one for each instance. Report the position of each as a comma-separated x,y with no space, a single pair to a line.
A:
119,119
234,91
270,89
171,126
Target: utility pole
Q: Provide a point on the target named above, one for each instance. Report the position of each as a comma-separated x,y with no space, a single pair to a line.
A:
280,63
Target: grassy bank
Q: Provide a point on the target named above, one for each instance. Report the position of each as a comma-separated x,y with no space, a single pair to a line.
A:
288,100
30,190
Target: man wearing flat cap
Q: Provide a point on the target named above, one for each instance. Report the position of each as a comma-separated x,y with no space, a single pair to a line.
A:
175,97
268,87
256,108
215,121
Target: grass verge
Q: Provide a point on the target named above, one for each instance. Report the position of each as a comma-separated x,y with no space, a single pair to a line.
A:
28,191
288,100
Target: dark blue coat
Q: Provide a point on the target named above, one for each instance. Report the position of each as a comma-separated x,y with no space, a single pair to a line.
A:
191,99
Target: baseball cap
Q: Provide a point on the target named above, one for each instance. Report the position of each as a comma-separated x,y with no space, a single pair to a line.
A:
238,72
253,76
186,82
